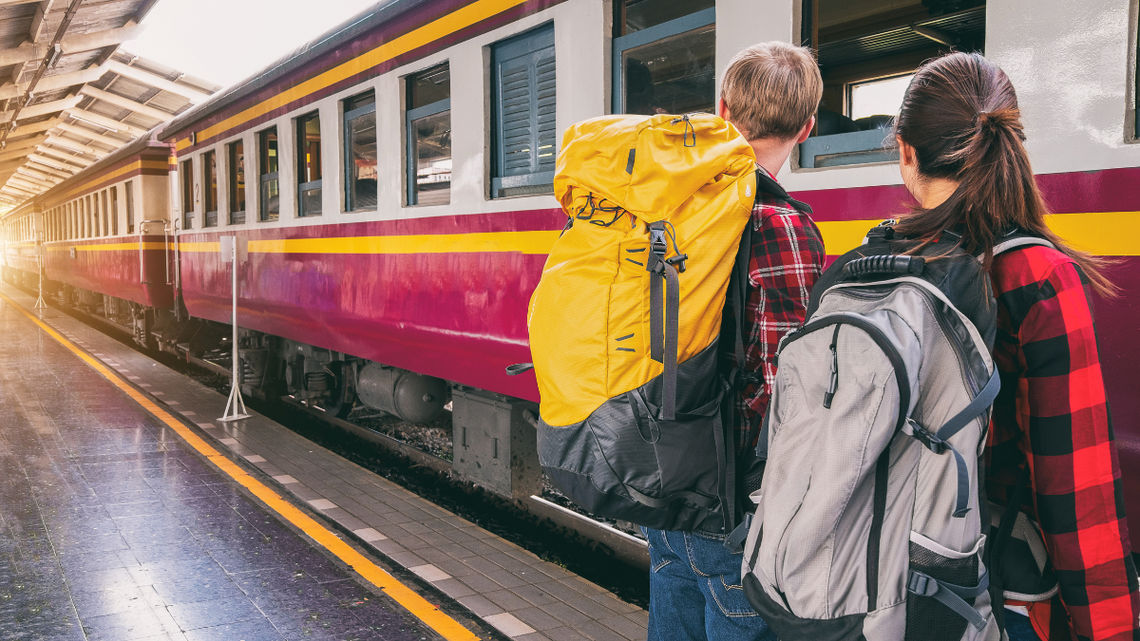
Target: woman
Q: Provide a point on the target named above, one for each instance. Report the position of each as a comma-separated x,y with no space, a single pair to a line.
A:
963,159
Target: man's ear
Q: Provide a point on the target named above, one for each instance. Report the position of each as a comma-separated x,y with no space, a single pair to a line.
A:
722,110
806,131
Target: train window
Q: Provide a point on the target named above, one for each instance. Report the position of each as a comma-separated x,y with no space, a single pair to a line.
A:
664,56
428,128
236,181
523,106
130,207
270,201
113,212
871,98
309,164
187,194
210,198
868,50
360,152
93,230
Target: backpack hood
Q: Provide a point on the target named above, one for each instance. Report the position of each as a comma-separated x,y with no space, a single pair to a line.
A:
647,165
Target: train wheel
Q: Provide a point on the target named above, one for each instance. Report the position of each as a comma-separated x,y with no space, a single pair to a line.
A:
343,396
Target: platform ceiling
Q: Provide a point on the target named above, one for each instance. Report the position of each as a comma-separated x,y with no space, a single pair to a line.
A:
69,96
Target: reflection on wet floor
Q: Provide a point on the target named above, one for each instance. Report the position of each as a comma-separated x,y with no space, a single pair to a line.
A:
110,530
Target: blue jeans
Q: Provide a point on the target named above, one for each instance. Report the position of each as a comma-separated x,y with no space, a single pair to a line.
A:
695,590
1018,627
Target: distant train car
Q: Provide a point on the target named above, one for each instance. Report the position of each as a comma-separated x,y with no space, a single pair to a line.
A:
394,177
106,237
21,261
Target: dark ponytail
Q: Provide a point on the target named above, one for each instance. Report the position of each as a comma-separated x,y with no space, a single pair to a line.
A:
960,114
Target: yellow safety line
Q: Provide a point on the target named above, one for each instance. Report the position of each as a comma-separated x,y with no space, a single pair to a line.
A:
431,615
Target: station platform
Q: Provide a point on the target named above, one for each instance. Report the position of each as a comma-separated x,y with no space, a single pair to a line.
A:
127,511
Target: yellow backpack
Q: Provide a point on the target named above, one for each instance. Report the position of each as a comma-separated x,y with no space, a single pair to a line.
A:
635,419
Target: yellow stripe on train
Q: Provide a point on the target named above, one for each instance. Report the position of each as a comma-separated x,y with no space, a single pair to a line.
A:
1105,234
107,247
523,242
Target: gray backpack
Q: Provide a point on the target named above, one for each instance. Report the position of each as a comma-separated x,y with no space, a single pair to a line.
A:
869,521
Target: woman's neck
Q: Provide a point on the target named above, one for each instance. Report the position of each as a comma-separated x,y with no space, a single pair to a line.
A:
932,192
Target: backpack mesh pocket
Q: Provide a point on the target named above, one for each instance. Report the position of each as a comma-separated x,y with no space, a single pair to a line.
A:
926,618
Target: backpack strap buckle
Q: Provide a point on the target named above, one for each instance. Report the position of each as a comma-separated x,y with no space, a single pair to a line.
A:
658,244
928,439
921,584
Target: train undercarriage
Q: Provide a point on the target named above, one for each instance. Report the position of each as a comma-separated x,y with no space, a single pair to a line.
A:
270,366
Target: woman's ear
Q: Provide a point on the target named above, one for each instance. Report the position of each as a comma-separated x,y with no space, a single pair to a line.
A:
908,167
907,157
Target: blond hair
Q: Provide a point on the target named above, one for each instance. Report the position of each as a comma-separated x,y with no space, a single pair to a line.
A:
772,89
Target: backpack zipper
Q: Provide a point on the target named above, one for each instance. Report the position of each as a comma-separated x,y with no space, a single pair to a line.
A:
833,387
877,335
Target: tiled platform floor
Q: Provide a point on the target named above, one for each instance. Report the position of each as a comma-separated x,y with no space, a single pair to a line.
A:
111,530
498,582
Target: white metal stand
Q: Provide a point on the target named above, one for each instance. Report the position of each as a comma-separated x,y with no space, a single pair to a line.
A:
233,253
40,302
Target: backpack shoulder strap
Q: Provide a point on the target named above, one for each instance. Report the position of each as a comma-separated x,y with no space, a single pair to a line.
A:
1020,239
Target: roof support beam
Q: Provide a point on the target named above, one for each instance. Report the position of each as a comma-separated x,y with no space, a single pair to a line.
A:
75,145
104,121
20,147
21,181
84,132
17,71
31,180
19,191
53,83
126,103
42,109
154,80
35,128
70,44
38,20
65,157
48,166
38,175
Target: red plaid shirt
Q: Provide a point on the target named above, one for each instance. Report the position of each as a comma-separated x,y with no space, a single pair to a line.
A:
1053,416
787,259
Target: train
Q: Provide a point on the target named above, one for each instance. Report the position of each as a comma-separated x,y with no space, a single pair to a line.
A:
393,179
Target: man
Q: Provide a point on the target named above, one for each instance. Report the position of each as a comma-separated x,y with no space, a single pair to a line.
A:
770,92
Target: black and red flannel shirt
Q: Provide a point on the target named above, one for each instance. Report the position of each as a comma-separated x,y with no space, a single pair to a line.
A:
1052,415
787,259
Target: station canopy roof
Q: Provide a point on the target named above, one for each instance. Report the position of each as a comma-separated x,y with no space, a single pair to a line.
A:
69,96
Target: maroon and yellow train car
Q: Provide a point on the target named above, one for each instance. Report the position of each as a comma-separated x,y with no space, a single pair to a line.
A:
106,230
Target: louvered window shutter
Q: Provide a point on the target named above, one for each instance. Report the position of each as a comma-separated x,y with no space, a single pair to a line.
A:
524,108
